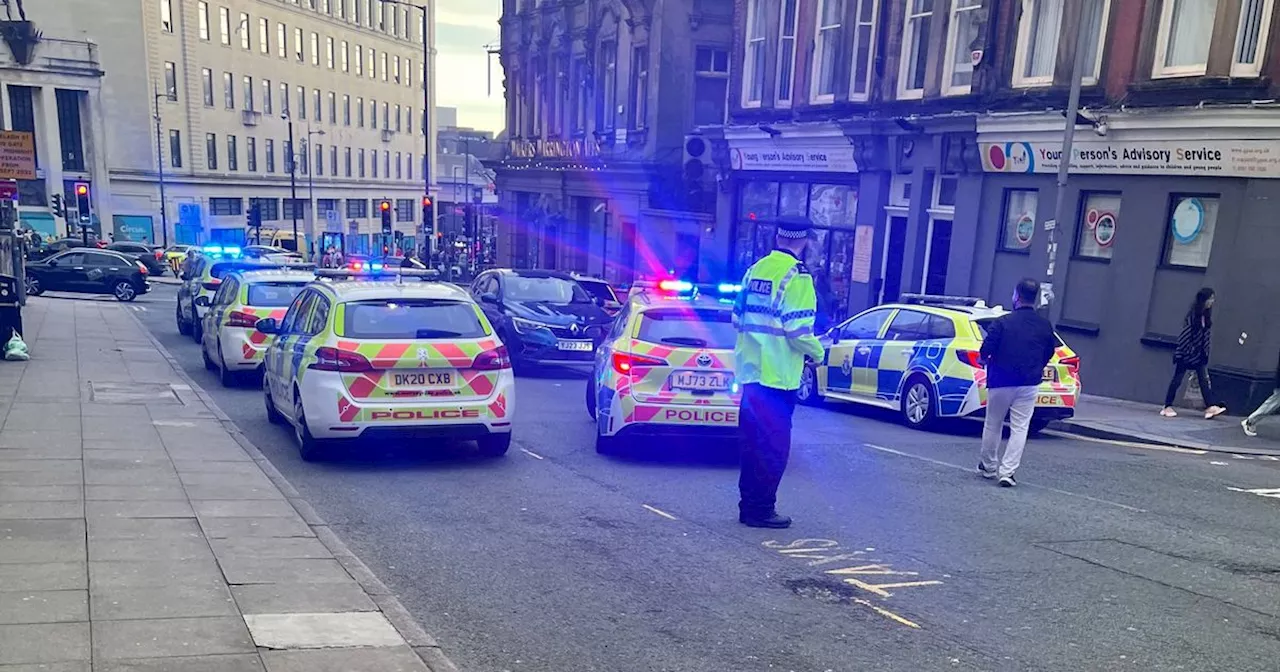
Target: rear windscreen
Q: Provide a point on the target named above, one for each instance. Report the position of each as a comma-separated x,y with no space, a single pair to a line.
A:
688,327
273,294
411,319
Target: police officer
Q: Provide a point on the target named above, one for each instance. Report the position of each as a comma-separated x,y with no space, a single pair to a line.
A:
774,317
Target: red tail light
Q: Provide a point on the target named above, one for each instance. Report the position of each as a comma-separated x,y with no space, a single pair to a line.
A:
971,357
624,362
159,255
142,268
238,319
333,359
493,360
1072,363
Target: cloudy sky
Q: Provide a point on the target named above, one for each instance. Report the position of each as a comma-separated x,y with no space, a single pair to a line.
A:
463,28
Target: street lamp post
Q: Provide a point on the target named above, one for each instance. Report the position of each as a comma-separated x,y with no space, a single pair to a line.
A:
426,114
164,219
311,194
293,181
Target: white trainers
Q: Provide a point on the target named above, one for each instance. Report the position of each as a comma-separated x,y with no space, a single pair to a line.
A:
1168,412
1249,430
1213,412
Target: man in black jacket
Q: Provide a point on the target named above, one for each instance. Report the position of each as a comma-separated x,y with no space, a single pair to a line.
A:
1016,349
1271,405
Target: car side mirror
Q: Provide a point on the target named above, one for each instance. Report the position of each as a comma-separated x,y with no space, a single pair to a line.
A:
267,325
834,334
53,262
489,297
203,301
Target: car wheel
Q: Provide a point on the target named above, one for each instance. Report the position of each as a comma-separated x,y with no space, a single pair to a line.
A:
1038,424
225,375
33,286
124,291
273,415
808,393
919,403
591,397
310,449
494,445
184,327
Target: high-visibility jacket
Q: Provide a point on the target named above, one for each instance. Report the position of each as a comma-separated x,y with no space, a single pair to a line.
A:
774,317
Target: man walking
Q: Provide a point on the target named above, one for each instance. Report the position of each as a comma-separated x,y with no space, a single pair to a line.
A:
1016,349
1271,405
774,317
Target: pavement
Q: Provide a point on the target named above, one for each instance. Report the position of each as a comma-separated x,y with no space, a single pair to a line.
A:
140,530
1109,555
1107,418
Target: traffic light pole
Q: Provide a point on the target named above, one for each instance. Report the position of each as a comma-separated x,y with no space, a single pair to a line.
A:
293,182
426,118
164,219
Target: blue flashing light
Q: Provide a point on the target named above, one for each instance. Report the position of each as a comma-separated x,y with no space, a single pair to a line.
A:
231,251
678,286
212,249
375,267
733,389
729,288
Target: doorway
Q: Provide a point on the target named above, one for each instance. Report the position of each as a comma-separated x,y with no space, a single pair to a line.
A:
936,256
895,249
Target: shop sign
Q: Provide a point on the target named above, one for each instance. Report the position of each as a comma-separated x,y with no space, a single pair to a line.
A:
1218,158
816,159
556,148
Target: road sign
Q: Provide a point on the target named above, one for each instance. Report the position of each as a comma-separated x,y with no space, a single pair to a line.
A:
17,156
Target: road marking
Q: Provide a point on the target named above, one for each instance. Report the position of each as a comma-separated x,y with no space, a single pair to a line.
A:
1220,464
1262,492
660,512
1124,444
1028,485
887,614
532,454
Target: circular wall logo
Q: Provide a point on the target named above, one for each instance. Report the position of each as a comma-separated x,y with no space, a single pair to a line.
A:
1188,219
1104,230
1025,229
995,154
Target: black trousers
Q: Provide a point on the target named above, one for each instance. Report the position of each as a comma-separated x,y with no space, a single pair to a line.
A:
765,426
1202,375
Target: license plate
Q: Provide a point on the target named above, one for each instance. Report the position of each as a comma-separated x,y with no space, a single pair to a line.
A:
716,381
575,346
1050,373
422,379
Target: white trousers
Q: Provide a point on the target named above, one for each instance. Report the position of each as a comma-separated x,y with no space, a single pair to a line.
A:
1018,403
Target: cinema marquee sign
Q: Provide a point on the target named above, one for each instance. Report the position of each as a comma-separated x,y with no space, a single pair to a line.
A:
554,148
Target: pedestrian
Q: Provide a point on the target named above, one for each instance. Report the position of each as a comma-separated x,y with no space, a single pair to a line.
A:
1268,407
1015,351
1192,354
773,316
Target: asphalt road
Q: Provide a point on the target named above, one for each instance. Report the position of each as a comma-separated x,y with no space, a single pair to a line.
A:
554,559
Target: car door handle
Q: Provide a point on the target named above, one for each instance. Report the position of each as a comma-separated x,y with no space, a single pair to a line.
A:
864,350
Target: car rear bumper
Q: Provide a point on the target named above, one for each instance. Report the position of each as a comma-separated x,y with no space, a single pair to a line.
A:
332,413
629,418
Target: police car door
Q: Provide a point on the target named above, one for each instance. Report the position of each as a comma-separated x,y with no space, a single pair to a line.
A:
221,301
853,357
280,355
901,341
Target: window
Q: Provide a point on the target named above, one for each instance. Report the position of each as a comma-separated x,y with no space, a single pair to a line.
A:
328,52
915,49
282,44
342,9
753,66
404,210
373,114
344,56
383,65
233,156
333,108
284,97
386,163
386,115
828,50
1095,17
639,108
316,106
606,109
408,71
266,96
202,15
1192,223
395,70
206,85
864,327
360,112
251,154
359,62
346,162
222,207
228,91
166,15
863,50
1182,44
908,325
247,89
333,161
399,169
372,64
264,36
315,49
965,27
1096,229
302,102
268,207
373,162
398,124
286,151
319,165
1251,38
1037,47
357,208
360,162
211,150
346,110
1019,219
224,25
175,149
786,54
171,81
298,51
243,29
271,155
711,82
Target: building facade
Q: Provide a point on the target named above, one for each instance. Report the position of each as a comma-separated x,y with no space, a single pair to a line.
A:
206,91
600,97
923,139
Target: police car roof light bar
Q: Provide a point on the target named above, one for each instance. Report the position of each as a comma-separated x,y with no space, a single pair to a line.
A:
942,300
681,286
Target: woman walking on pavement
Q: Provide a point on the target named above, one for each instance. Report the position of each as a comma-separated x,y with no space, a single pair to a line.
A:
1192,354
1268,407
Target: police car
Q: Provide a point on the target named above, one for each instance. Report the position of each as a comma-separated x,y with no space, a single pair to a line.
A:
666,366
394,356
230,344
920,358
201,277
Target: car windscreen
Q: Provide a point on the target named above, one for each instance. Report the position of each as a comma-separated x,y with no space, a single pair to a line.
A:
411,319
273,294
600,290
545,290
984,323
688,327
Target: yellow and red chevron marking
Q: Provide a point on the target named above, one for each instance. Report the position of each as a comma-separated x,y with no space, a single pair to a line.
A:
369,384
347,411
498,408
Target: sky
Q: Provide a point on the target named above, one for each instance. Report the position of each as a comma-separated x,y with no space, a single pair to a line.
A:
463,28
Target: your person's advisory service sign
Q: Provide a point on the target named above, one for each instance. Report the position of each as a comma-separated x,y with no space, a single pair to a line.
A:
1218,158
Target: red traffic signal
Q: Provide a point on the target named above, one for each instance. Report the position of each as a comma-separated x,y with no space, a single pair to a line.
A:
384,206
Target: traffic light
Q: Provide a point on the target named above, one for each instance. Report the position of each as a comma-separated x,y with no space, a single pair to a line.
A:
384,209
82,201
59,209
254,220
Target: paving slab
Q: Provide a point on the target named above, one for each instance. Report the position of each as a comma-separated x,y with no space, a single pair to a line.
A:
224,480
45,576
160,638
255,491
294,570
223,508
133,492
224,663
144,508
40,493
81,666
44,643
130,475
322,631
170,601
28,439
42,510
392,659
56,466
301,598
36,551
248,548
186,572
67,452
175,548
143,528
43,606
221,528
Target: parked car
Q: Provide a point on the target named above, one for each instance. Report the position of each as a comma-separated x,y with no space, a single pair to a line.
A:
544,317
153,260
88,270
602,290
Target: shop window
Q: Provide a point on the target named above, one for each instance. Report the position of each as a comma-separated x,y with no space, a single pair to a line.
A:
833,205
1019,226
1096,228
965,26
759,200
753,66
1185,33
915,48
787,51
1192,222
1251,38
793,199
